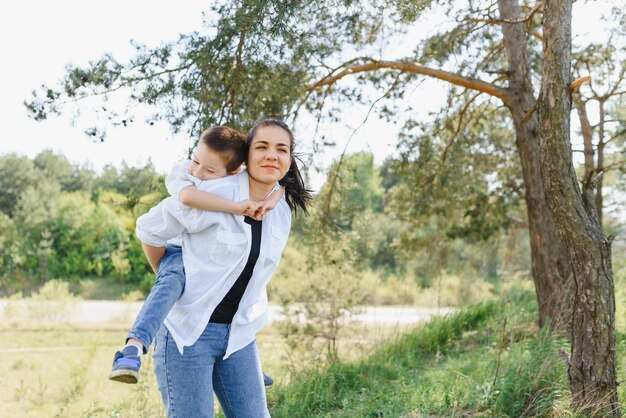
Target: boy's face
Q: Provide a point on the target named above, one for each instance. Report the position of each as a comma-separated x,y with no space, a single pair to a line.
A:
207,164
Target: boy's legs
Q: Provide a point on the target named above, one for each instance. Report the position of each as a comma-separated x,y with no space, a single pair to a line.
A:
168,286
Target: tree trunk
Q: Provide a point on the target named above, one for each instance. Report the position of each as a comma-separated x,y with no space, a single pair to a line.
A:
600,160
551,266
591,369
587,131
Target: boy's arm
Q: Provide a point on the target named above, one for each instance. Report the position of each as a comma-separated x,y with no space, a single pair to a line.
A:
153,254
192,197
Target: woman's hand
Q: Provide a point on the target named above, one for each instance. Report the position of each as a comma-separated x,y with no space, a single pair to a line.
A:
246,208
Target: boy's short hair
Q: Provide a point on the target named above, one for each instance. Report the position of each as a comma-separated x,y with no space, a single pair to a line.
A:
228,143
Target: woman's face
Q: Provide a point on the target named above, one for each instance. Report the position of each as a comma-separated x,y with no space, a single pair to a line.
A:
269,155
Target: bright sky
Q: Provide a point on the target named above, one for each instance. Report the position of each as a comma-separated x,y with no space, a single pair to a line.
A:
40,37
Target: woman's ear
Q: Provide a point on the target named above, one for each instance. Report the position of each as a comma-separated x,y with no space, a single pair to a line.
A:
232,173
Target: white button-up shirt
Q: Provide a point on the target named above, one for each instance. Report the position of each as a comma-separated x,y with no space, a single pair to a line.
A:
216,246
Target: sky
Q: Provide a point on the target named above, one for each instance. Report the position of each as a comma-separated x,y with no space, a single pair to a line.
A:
39,38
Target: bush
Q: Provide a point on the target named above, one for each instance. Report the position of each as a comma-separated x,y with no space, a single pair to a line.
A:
51,303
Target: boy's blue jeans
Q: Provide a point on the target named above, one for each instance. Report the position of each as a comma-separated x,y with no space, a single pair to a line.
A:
187,381
167,288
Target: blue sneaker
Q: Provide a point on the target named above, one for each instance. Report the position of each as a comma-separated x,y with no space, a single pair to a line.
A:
268,381
126,364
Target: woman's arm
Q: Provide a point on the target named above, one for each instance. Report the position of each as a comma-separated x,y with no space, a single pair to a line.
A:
192,197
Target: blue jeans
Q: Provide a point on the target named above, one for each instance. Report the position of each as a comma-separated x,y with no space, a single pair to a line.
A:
187,381
167,288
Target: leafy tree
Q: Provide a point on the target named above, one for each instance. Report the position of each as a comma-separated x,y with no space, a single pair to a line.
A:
83,177
332,291
35,214
354,186
17,173
55,233
89,237
55,167
11,256
473,188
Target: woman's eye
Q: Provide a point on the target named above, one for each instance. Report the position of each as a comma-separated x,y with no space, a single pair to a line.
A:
195,162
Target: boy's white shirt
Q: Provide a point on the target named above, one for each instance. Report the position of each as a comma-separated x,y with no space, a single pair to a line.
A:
179,178
216,246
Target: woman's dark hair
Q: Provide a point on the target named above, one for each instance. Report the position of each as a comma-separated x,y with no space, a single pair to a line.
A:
296,194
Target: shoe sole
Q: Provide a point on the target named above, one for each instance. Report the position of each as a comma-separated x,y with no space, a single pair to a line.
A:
124,376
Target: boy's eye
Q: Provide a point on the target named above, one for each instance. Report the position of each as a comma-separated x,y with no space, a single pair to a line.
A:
195,162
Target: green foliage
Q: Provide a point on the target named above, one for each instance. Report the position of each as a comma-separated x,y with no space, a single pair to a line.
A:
57,168
329,290
17,173
10,245
132,182
472,187
322,391
58,227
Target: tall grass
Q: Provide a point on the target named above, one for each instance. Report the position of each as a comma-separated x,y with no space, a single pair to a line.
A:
488,360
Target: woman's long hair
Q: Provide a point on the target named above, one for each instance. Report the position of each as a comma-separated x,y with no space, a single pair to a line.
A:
296,194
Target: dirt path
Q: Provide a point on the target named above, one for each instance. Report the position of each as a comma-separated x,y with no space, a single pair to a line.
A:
102,312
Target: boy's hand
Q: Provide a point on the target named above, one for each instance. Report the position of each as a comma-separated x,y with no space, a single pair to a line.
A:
263,207
269,203
246,208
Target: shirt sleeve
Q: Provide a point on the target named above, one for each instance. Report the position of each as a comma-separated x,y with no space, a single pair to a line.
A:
169,219
179,178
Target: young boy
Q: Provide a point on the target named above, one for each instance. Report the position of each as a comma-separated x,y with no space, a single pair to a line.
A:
219,152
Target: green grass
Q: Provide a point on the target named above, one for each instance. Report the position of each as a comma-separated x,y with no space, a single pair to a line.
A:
488,360
58,370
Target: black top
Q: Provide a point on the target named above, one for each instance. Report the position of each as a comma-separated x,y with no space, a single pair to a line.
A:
225,311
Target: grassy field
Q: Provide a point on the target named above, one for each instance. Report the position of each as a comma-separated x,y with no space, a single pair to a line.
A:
488,360
53,369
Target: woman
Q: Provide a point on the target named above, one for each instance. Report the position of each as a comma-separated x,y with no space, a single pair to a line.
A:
207,343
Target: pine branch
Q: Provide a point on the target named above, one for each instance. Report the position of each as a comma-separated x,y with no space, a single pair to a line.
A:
412,68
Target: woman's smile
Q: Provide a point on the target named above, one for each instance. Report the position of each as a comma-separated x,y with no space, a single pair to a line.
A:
270,154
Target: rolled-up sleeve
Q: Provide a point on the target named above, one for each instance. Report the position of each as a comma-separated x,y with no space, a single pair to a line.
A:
169,219
159,225
179,178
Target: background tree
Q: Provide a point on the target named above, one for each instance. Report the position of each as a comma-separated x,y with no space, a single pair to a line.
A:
17,173
54,225
591,368
603,142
